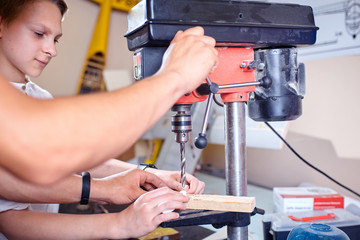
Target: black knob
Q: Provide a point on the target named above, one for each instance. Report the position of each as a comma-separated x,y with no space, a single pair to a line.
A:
266,82
201,141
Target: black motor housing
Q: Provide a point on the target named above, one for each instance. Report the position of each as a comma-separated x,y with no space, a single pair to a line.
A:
281,99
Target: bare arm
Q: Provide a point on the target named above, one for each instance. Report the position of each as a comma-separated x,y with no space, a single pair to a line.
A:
121,188
67,190
110,167
138,219
79,128
171,178
115,182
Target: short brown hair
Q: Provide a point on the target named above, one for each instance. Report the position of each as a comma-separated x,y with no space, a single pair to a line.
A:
9,9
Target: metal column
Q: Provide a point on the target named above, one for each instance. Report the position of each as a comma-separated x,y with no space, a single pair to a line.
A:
235,159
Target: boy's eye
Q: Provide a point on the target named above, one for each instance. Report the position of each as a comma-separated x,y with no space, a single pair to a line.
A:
39,34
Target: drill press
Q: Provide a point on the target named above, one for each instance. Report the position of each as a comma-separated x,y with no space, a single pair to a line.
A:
256,43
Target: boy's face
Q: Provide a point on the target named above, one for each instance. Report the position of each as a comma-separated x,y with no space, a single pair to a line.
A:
27,44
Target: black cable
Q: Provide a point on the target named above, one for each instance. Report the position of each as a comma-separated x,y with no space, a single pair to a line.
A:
309,164
298,155
217,101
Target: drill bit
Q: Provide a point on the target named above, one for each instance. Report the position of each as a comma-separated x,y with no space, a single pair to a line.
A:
182,164
181,126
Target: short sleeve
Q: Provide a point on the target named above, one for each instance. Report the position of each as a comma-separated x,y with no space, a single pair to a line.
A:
6,205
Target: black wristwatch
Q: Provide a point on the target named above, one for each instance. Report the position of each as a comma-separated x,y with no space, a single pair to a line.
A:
85,193
144,166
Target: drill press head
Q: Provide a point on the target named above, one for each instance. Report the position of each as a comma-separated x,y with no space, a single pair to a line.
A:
271,30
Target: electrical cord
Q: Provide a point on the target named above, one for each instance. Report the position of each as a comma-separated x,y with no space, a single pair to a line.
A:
217,101
309,164
299,156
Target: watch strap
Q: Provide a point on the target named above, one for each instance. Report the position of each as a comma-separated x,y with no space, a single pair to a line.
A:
143,166
85,192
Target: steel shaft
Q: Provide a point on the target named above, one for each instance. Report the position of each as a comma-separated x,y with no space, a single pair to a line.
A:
235,159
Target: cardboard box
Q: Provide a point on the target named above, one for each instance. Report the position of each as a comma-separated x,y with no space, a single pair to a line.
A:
295,199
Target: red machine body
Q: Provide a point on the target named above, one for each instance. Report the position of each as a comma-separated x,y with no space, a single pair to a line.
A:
231,69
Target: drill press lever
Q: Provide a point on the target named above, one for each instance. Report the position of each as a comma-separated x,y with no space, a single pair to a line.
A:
181,121
211,89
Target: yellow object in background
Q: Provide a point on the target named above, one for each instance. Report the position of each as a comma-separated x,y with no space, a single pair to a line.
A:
122,5
91,78
155,147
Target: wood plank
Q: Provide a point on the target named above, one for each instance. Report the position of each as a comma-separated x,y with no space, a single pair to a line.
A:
221,203
162,233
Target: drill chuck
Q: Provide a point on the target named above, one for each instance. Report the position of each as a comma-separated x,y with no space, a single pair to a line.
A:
181,126
181,123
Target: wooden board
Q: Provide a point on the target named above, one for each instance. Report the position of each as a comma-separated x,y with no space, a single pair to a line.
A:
221,203
162,233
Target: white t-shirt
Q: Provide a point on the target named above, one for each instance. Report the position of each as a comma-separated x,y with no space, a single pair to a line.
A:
31,89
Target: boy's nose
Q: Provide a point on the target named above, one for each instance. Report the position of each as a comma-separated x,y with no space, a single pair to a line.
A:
50,49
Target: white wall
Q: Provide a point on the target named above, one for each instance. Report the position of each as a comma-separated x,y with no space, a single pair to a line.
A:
62,74
331,105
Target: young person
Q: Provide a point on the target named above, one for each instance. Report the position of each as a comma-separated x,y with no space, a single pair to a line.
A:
35,28
60,129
